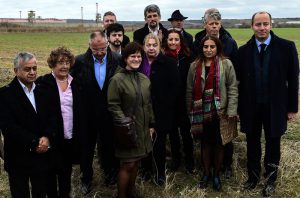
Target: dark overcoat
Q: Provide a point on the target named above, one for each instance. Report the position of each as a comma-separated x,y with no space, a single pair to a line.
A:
48,83
96,98
165,92
22,127
140,34
283,83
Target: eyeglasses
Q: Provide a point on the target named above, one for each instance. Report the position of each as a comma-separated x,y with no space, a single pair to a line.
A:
99,50
174,29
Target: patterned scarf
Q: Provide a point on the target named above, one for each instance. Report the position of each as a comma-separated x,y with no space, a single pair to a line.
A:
205,105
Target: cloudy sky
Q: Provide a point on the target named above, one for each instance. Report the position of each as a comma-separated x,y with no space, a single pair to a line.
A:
133,9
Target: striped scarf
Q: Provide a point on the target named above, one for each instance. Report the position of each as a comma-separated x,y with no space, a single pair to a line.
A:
205,104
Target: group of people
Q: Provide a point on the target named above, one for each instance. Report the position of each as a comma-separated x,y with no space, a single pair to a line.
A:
170,84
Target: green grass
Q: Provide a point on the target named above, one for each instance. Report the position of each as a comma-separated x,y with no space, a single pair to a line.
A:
179,184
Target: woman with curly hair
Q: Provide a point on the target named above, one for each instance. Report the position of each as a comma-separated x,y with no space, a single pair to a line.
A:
65,95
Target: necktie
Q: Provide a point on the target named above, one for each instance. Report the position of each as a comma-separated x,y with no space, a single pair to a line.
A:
262,53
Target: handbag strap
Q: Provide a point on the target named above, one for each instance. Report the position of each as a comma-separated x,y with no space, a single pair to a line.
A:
139,92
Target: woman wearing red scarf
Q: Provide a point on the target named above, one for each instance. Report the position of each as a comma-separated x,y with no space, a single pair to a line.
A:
175,47
211,92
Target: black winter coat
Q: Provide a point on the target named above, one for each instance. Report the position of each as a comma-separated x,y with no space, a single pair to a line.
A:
22,127
283,83
140,34
48,83
165,92
96,99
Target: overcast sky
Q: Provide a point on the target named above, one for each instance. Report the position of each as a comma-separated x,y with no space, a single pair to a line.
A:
127,10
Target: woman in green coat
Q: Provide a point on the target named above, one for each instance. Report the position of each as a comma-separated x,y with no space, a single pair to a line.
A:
127,89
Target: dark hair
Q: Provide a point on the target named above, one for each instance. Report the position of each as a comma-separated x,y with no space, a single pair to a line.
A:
260,12
115,27
183,46
131,48
201,58
57,54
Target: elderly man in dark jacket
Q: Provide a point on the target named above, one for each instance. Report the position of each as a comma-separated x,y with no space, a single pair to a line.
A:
213,27
28,130
268,71
153,25
94,70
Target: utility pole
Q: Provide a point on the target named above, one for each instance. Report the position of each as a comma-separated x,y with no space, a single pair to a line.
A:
98,16
20,14
81,15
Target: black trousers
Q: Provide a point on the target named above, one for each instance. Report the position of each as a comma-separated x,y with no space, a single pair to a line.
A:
228,154
60,175
19,185
187,141
102,135
159,153
254,152
106,151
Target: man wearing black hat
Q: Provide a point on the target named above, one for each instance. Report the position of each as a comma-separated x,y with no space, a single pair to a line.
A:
177,21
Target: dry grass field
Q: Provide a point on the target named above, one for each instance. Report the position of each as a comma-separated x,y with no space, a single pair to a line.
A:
179,184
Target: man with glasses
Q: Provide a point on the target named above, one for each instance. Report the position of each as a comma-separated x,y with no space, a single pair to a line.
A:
110,18
94,70
28,127
153,25
177,22
213,27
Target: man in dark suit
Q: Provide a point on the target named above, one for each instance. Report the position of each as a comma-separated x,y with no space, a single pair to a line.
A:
94,70
177,21
110,18
153,25
26,126
268,71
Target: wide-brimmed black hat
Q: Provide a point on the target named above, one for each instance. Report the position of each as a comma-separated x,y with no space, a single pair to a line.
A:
176,15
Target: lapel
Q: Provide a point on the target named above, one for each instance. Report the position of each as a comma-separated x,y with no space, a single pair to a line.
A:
21,97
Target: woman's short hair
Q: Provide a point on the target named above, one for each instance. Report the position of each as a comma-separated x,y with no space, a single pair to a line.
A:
151,36
58,54
131,48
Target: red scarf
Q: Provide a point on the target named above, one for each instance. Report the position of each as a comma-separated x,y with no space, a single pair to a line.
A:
173,53
205,104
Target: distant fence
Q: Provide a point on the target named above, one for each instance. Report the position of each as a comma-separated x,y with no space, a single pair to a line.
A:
36,27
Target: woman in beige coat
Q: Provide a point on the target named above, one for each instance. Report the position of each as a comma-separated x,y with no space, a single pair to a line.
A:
211,92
